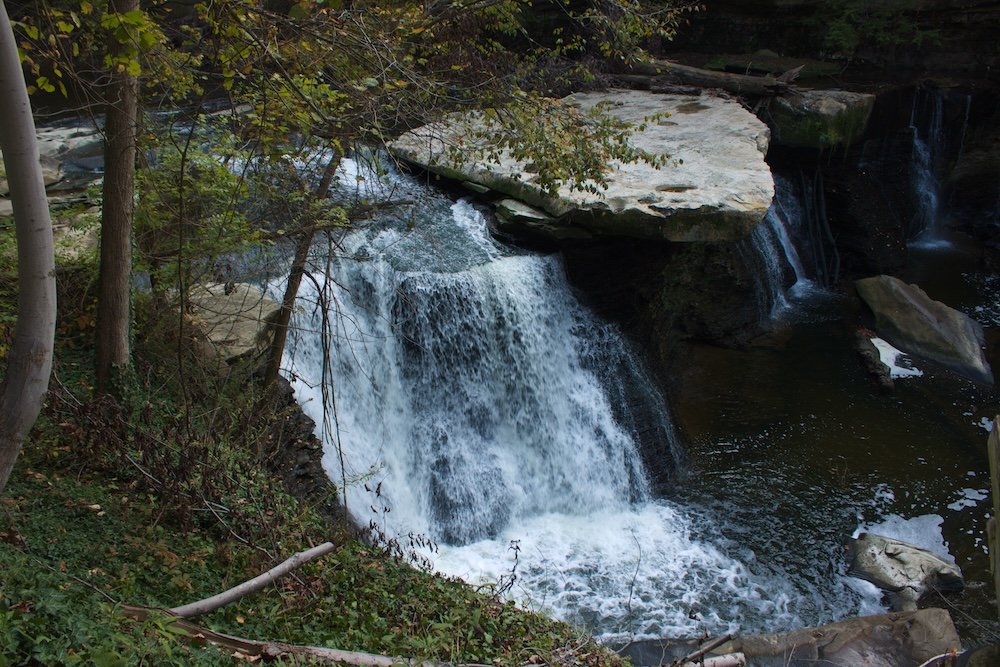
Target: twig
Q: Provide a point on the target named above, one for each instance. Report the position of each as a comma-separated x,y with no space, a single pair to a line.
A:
931,661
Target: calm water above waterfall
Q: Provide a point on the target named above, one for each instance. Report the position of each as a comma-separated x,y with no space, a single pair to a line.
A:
476,401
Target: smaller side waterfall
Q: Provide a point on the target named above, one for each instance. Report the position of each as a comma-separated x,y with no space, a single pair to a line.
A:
938,122
926,126
784,252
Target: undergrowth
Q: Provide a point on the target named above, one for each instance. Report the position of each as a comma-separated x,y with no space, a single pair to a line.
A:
169,495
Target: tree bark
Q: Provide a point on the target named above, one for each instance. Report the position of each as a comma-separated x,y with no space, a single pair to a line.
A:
114,289
666,72
298,270
29,361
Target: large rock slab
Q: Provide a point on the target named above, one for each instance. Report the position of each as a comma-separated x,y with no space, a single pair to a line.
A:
915,323
906,572
519,219
715,187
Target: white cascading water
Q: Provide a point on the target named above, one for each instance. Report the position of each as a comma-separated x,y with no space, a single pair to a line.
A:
775,243
472,399
931,140
926,124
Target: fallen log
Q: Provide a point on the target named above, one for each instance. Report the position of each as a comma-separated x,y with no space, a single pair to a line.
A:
698,656
728,660
664,72
257,583
273,650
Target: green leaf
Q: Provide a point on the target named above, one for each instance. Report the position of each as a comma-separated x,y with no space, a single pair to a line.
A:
107,659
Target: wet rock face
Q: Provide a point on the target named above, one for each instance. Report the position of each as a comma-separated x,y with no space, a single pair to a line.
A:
972,188
715,186
917,324
662,293
906,572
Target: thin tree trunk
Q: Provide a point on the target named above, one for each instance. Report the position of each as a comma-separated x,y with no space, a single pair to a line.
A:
29,361
298,270
114,291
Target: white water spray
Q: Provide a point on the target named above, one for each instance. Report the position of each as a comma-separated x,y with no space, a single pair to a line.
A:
776,242
475,401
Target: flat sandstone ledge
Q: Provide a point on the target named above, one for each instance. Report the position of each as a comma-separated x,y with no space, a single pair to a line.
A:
715,186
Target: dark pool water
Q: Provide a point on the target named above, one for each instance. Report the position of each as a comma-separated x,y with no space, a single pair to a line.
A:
793,448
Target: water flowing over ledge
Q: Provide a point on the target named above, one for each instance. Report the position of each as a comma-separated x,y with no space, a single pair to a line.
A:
473,399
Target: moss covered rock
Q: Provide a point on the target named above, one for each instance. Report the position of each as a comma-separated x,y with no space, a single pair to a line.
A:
820,118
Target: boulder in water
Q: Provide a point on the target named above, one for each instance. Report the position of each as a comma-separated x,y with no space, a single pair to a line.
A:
905,571
886,640
872,360
715,186
915,323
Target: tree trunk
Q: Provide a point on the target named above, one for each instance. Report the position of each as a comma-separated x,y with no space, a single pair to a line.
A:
114,290
298,270
29,361
661,72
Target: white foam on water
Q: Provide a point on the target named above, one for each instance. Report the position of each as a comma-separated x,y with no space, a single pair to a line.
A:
871,596
922,531
969,498
883,497
635,573
898,362
471,222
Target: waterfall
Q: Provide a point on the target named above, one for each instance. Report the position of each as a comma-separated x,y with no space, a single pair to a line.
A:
786,263
926,125
936,139
464,394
